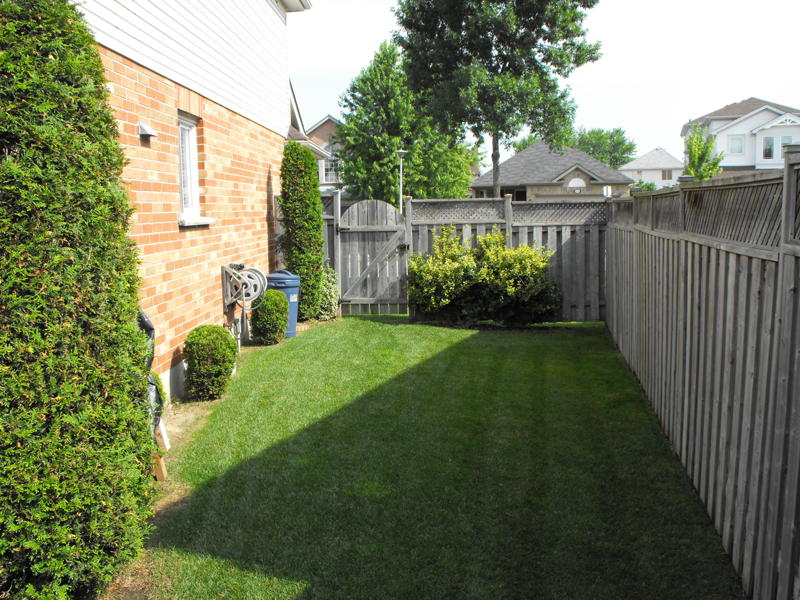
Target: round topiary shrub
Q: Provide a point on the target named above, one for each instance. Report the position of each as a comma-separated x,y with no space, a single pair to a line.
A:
75,439
270,318
210,353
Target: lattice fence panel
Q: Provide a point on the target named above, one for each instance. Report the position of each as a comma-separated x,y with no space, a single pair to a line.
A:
642,211
458,211
560,213
748,214
622,212
667,212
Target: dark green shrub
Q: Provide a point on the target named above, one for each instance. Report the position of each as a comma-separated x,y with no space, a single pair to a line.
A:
490,282
270,318
210,353
302,241
75,441
329,304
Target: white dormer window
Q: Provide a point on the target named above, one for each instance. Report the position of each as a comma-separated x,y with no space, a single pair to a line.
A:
577,185
735,144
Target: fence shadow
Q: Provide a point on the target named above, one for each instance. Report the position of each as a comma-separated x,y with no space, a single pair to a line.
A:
414,491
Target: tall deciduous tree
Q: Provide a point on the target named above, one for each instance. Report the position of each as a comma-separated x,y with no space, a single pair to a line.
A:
610,146
494,65
702,164
381,116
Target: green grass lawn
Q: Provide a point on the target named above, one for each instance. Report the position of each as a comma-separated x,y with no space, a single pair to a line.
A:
375,459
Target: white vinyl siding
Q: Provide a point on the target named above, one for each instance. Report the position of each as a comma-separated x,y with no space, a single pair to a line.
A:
189,176
234,53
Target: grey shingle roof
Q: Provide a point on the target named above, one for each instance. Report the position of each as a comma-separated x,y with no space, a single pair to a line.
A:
655,159
537,164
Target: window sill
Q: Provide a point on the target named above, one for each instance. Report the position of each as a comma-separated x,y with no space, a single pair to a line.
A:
195,221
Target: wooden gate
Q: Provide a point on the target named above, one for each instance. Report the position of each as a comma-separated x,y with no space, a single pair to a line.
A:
371,257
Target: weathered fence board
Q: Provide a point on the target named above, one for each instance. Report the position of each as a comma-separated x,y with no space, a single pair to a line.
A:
703,302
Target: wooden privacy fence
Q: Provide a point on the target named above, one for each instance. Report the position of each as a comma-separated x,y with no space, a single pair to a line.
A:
575,231
703,302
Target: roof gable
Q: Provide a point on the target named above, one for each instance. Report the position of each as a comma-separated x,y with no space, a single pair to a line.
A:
779,121
738,109
321,122
765,108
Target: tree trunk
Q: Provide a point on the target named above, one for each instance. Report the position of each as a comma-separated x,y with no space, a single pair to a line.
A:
495,166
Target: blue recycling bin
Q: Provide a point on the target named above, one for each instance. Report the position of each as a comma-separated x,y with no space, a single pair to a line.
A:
289,284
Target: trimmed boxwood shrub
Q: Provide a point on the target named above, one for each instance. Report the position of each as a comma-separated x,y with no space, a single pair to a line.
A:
329,304
302,241
270,318
491,282
75,440
210,352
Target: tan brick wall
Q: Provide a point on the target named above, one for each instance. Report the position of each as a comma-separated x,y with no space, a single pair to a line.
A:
239,168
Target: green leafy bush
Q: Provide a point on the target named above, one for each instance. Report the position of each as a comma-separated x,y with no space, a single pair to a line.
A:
440,282
490,282
270,318
329,303
302,242
210,353
75,440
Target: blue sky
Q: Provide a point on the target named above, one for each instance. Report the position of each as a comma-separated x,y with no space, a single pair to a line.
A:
663,62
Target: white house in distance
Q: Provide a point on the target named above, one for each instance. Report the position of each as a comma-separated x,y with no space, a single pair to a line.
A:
751,133
657,166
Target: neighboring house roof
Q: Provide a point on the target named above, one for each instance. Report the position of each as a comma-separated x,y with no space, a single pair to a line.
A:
297,132
538,164
322,121
655,159
738,109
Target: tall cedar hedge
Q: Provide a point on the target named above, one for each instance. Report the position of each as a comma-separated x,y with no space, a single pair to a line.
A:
75,444
302,242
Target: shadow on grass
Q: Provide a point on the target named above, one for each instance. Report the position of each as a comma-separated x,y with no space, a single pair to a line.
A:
538,473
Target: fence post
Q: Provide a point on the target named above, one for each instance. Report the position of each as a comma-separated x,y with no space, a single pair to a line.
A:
682,200
337,242
791,155
509,215
409,215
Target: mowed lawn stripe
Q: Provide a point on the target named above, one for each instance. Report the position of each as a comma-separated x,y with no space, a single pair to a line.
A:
372,458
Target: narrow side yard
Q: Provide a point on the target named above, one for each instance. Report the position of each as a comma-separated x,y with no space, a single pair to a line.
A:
371,458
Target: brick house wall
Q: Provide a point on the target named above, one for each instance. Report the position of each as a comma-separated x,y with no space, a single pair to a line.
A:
239,170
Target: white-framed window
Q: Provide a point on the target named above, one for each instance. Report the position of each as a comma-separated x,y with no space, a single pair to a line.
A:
189,176
666,174
330,168
735,144
768,147
785,140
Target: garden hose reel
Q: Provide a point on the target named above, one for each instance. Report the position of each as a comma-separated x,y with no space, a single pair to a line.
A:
242,286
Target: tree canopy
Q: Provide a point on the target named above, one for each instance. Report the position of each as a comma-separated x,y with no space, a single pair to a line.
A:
381,116
701,164
610,146
493,66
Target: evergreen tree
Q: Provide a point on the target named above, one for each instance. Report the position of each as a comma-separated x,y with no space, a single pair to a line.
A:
302,242
75,439
381,116
494,65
